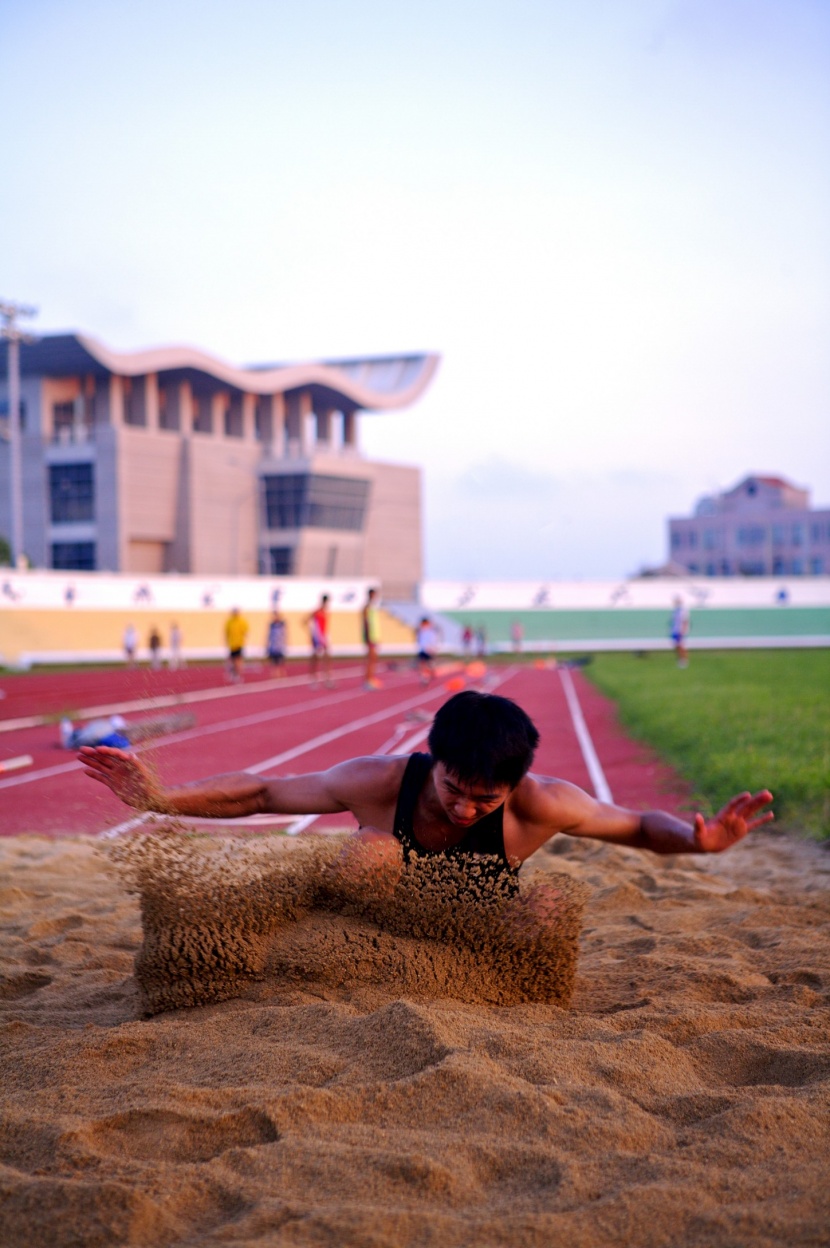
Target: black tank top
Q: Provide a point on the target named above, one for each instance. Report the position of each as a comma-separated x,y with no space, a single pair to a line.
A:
484,837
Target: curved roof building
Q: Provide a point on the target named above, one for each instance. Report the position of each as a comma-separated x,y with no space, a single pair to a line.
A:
373,383
171,459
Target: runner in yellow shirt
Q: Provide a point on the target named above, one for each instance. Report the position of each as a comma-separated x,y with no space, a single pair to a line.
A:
236,630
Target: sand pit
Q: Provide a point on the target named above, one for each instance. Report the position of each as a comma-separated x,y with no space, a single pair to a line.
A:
681,1099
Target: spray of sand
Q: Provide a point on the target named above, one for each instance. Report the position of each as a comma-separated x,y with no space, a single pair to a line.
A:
219,916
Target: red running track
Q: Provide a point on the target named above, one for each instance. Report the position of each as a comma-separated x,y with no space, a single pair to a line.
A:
249,726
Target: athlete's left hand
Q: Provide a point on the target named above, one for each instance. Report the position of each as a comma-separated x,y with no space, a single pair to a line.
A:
732,823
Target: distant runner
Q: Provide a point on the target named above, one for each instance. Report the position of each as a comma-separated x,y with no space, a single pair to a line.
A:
371,638
679,629
318,631
426,644
236,632
275,644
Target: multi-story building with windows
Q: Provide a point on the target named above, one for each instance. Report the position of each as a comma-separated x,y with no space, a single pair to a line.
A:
763,526
172,460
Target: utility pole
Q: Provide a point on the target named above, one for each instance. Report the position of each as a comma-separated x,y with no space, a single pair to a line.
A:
9,329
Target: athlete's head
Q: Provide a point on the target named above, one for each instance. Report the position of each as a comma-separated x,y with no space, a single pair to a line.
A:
482,738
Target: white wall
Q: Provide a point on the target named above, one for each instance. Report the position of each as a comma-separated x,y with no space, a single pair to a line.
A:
654,592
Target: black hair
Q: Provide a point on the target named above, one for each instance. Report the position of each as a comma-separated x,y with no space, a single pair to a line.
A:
480,737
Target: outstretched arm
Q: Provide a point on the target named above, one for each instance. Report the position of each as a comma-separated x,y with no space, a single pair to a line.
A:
555,806
230,796
663,833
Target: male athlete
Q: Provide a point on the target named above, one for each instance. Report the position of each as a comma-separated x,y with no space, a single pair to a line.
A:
472,798
371,638
318,631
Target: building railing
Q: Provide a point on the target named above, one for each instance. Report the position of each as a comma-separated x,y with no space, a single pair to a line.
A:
72,435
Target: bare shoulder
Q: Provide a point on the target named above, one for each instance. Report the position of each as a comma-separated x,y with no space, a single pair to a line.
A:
557,804
373,775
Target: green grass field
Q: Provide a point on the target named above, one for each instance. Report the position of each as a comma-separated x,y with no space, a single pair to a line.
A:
734,720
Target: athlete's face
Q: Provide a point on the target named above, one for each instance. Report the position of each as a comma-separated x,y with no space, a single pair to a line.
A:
463,803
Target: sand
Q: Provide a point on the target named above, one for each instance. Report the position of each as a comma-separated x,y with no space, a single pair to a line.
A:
348,1082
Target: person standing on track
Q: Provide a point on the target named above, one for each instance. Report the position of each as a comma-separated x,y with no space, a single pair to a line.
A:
130,643
154,646
318,631
236,632
472,799
426,644
371,639
175,661
679,629
275,643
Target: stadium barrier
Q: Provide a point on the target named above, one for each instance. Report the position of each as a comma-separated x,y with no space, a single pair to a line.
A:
76,617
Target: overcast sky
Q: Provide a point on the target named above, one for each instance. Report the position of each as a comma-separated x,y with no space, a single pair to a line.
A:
609,216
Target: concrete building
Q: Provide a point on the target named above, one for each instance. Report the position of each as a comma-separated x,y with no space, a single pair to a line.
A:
172,460
763,526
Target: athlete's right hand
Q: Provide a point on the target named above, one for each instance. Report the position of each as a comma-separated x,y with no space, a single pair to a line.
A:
128,778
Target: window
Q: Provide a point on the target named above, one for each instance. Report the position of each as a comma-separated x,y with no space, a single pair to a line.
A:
202,414
134,410
74,420
711,539
63,418
798,535
691,538
282,560
234,427
168,408
816,565
263,421
306,500
74,556
779,534
71,493
751,535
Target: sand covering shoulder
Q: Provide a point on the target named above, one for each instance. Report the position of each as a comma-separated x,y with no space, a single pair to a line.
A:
684,1098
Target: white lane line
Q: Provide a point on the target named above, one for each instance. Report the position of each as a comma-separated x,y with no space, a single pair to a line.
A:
248,821
110,834
401,747
600,785
43,774
189,734
247,721
334,734
12,764
174,699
